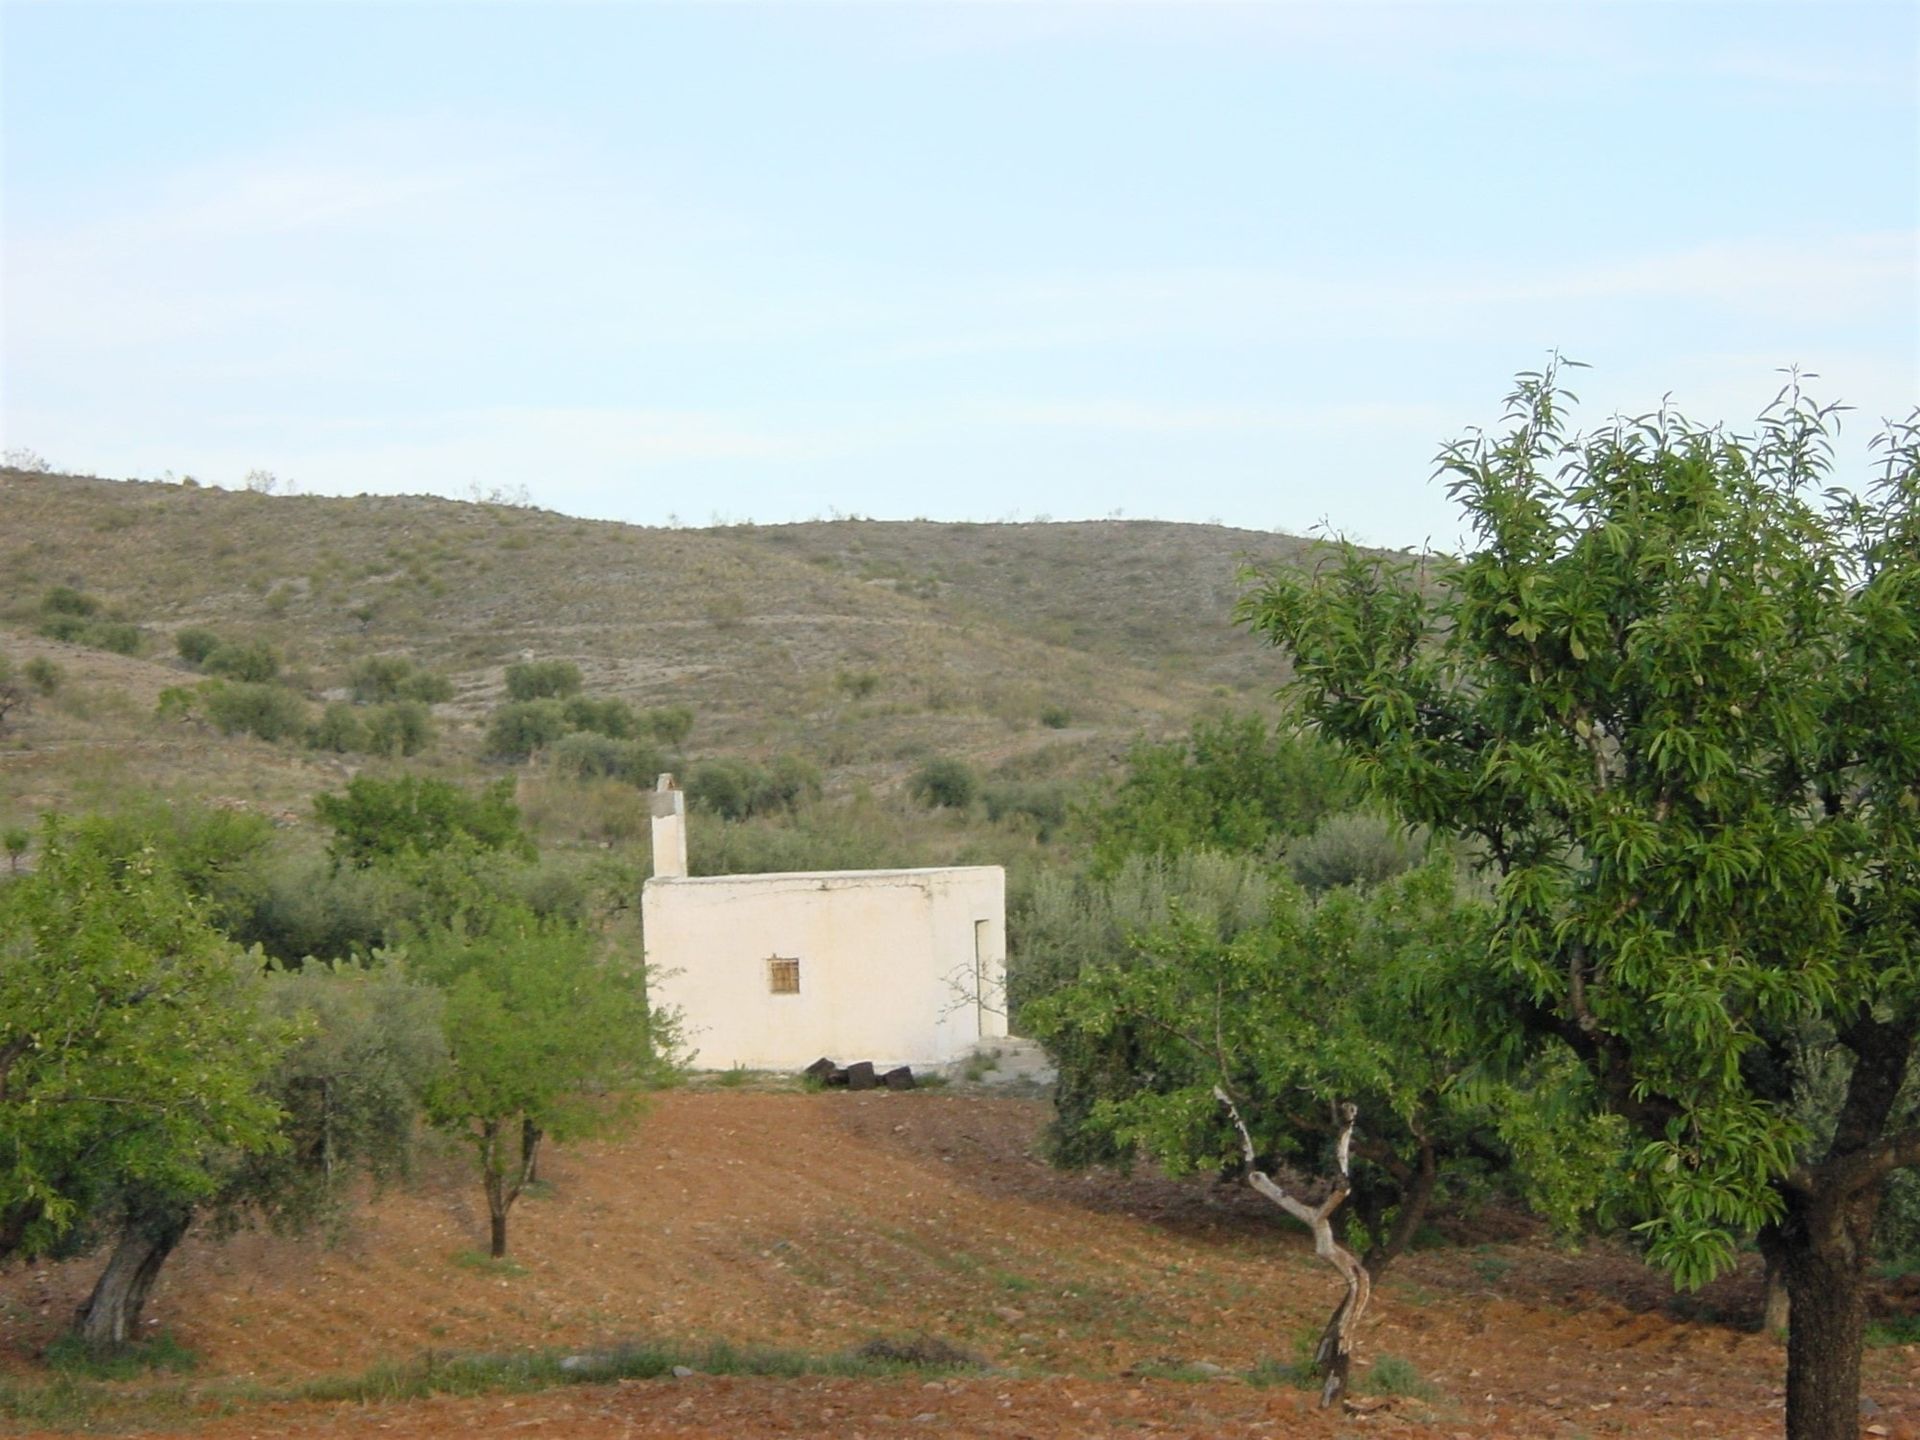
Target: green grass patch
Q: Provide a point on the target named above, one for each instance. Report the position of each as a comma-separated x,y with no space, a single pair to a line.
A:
1894,1330
70,1355
1394,1375
488,1265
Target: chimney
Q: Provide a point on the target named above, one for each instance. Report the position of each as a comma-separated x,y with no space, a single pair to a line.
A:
669,830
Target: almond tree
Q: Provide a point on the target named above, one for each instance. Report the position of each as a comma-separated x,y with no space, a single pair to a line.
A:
1673,698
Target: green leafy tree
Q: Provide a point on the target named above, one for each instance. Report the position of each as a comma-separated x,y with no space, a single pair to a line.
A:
1367,1015
255,663
375,820
516,730
268,712
1673,696
132,1048
1236,785
547,1035
944,784
195,644
366,1045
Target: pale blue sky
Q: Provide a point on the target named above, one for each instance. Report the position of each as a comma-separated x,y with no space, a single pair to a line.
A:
1250,262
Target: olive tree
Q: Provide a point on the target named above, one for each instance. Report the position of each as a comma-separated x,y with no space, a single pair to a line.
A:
1673,697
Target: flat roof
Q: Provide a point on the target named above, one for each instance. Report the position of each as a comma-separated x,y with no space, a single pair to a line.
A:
845,876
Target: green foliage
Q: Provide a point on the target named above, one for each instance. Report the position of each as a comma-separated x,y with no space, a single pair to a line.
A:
269,712
66,600
13,691
1673,697
547,1035
1355,847
944,784
1375,999
1235,785
377,820
739,789
134,1048
195,644
1044,804
15,840
339,729
1055,717
428,687
43,674
255,663
669,724
98,632
515,731
609,717
402,727
543,680
380,679
584,756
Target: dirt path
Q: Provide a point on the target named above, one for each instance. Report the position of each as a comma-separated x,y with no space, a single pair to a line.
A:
818,1222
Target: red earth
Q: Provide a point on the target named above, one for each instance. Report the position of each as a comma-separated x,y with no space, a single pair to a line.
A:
817,1222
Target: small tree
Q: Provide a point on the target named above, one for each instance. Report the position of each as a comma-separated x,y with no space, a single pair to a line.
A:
1674,699
547,1035
944,784
255,663
195,644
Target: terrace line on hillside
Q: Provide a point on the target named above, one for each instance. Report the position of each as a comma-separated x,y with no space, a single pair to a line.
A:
773,971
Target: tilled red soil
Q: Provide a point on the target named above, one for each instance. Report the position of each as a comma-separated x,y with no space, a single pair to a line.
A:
817,1222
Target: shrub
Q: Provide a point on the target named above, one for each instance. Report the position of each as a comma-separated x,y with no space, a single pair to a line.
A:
269,712
515,731
737,789
543,679
1354,848
402,728
378,819
610,717
1044,803
43,674
1056,717
944,784
254,663
195,644
115,635
426,686
585,755
669,724
340,730
59,625
13,695
378,678
65,600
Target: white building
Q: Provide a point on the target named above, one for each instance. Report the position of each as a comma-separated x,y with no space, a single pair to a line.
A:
772,972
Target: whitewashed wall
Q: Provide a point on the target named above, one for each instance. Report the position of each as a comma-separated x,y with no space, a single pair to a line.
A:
888,965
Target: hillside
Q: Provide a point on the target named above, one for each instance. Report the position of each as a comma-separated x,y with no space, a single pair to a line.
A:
865,647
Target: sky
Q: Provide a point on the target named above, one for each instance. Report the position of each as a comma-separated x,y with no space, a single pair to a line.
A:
696,263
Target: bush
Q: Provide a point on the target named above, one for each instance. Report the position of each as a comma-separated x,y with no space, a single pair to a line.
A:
43,674
115,635
65,600
944,784
669,724
738,789
1354,848
195,644
428,687
13,694
340,730
378,678
1045,803
254,663
379,819
402,728
609,717
269,712
585,755
543,679
515,731
1056,717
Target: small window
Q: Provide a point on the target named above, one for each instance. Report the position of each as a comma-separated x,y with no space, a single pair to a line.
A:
783,976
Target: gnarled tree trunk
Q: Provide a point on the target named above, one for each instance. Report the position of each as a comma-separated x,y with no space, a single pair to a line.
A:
1826,1250
110,1318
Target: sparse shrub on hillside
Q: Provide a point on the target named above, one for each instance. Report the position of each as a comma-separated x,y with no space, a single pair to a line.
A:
13,691
269,712
585,755
1044,803
256,662
115,635
401,728
177,702
339,730
738,789
543,679
378,678
1056,717
669,724
195,644
428,687
610,717
944,784
857,684
1355,847
66,600
43,674
516,730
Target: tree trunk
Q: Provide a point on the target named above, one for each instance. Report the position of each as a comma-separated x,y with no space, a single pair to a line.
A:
530,1137
111,1317
1775,1309
1825,1249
